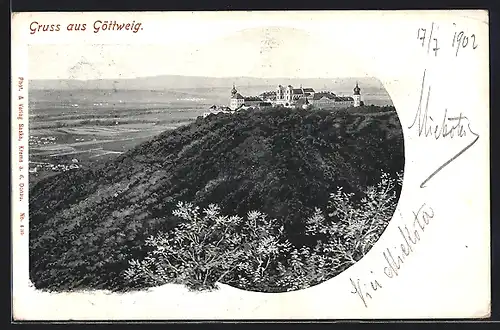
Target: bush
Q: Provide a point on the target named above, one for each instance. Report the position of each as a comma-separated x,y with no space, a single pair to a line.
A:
351,229
204,248
253,253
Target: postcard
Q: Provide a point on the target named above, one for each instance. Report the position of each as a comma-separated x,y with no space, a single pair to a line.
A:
258,165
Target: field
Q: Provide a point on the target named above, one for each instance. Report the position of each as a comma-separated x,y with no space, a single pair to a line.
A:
84,127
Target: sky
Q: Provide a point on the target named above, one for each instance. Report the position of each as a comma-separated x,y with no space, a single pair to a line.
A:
265,52
307,44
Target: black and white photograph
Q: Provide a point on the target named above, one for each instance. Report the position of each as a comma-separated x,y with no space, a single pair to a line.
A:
267,185
264,159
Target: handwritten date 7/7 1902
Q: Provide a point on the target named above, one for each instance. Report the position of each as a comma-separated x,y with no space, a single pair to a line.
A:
445,127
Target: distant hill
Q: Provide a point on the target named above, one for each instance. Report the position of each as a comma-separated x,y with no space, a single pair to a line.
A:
85,225
166,82
214,89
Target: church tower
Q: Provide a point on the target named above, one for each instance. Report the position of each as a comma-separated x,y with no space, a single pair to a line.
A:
357,96
233,92
236,100
279,93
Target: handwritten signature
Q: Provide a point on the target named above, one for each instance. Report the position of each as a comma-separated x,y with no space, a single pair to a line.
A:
396,256
447,127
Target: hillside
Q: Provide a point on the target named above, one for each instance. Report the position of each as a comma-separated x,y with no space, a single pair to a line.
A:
86,225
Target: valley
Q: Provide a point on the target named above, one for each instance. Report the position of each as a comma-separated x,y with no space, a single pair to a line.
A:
72,128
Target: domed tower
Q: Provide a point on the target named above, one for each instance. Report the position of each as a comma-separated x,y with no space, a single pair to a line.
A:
289,93
357,95
279,93
233,91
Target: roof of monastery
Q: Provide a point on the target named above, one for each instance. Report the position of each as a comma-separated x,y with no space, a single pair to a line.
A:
253,98
320,95
344,98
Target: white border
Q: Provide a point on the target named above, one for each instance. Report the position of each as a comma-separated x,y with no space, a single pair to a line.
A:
448,274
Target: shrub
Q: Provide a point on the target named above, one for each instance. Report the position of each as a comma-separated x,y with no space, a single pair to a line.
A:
204,248
253,253
351,228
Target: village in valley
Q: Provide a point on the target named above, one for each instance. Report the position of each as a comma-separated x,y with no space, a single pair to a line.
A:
35,167
290,97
